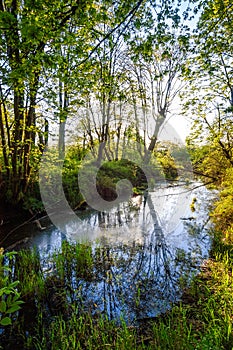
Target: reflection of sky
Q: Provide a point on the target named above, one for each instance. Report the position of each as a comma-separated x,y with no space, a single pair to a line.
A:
48,241
132,222
153,265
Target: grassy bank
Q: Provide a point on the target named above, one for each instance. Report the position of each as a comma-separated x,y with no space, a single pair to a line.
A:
50,320
203,320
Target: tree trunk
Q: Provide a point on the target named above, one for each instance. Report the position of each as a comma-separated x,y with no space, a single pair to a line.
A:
30,131
159,122
4,144
63,106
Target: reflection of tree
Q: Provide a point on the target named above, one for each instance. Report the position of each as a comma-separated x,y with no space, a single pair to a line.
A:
138,280
124,214
154,277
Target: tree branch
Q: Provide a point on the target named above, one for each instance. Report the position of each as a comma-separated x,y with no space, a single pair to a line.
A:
129,17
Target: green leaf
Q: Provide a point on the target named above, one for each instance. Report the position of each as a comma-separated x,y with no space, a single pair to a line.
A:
14,284
9,300
2,306
13,309
8,291
16,297
6,321
2,291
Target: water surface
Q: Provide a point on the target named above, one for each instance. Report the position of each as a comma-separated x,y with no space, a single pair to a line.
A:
148,249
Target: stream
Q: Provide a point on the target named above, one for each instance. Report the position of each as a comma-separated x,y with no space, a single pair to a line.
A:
148,250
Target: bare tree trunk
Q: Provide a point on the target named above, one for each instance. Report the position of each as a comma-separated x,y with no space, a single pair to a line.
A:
159,122
63,107
118,133
44,136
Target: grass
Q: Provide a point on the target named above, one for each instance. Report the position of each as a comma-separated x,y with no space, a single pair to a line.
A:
52,320
84,333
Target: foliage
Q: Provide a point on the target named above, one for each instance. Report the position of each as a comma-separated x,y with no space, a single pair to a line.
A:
88,62
71,166
111,172
209,97
46,52
209,163
167,162
9,296
223,208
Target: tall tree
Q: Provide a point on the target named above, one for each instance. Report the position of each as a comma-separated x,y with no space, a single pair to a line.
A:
27,30
158,56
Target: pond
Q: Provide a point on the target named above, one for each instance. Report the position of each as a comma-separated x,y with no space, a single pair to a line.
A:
145,250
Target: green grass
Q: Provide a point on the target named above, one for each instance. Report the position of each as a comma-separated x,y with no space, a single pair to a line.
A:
84,333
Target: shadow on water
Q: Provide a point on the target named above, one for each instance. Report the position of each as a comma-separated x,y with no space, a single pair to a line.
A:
143,252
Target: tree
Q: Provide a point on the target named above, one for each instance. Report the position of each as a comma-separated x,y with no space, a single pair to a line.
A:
210,75
31,34
27,30
158,56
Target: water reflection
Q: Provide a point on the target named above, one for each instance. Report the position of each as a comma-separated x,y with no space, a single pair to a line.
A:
143,251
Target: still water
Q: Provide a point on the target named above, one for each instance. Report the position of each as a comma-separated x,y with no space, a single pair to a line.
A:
148,249
144,250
